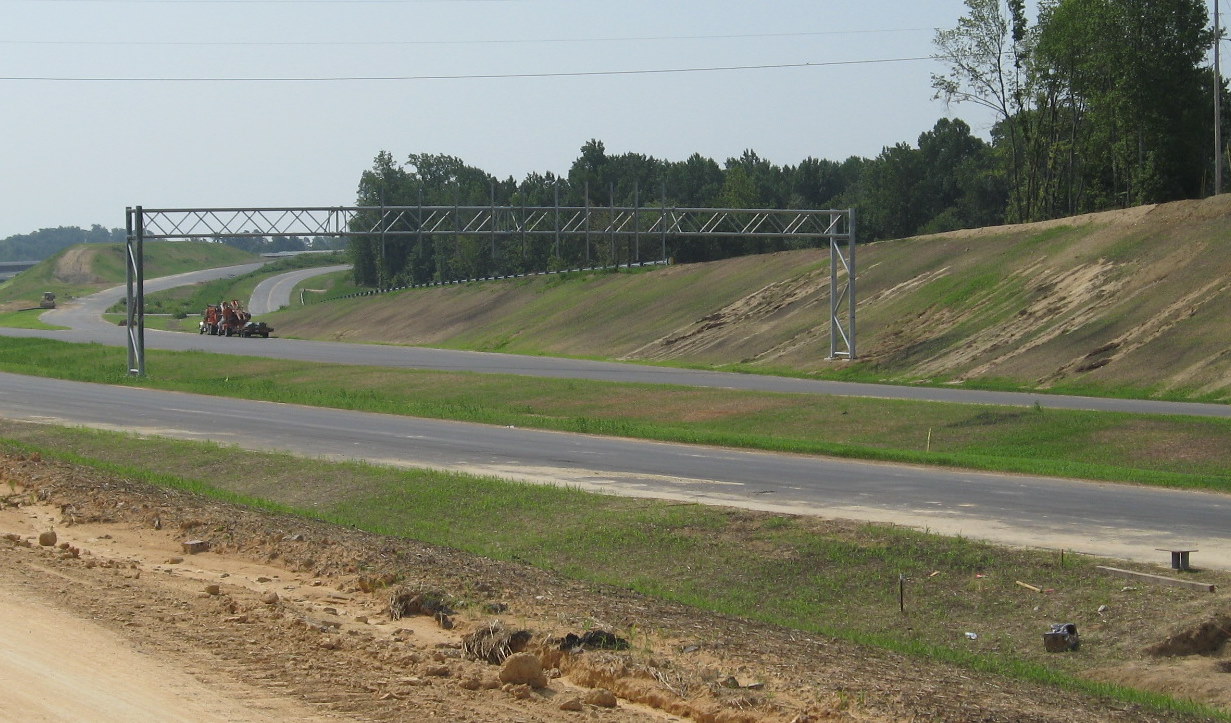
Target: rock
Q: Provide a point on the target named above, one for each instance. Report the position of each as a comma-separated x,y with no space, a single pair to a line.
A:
520,691
601,697
438,671
213,590
523,669
192,547
471,682
173,560
270,598
573,704
47,539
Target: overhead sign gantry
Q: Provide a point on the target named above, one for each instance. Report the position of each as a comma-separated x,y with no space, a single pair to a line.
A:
647,228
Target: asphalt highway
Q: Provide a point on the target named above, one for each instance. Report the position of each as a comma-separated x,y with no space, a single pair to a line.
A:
1117,520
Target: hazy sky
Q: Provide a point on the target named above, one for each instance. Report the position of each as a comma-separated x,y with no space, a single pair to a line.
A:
96,113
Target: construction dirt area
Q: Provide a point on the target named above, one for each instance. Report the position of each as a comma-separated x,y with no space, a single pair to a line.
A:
152,603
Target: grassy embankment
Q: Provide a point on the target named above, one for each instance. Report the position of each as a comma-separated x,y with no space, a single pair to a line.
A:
834,578
83,270
1150,449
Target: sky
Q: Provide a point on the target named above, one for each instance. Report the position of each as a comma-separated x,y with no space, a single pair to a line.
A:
106,104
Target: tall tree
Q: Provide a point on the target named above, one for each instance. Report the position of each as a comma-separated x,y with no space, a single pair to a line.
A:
988,55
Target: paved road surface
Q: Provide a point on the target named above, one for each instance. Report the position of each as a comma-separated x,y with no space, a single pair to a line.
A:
275,292
1118,520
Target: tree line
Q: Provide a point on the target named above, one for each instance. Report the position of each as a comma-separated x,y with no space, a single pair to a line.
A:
46,242
1100,104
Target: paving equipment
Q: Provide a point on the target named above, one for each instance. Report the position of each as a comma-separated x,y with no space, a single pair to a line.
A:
229,318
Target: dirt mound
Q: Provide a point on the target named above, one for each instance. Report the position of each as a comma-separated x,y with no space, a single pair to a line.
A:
300,610
76,267
1205,638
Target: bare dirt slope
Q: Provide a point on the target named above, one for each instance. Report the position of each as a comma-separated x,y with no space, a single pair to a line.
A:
1138,297
285,618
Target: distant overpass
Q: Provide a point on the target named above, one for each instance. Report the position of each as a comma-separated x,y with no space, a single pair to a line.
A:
9,269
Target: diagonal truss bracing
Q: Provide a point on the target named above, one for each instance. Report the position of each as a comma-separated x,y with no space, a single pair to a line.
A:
338,221
612,222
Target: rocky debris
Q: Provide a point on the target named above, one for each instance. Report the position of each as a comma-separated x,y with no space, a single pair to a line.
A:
213,590
601,697
270,598
523,669
494,643
47,539
572,704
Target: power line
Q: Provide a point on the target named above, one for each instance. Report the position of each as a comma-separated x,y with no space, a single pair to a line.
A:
477,76
493,41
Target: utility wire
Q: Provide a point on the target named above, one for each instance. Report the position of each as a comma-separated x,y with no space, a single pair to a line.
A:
477,76
494,41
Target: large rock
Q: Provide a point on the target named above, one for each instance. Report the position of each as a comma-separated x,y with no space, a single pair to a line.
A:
523,669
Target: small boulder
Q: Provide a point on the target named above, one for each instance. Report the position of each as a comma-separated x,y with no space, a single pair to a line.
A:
573,704
192,547
47,539
523,668
601,697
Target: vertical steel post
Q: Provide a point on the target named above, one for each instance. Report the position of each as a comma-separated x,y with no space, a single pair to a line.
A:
838,296
419,229
835,329
664,221
380,280
493,212
850,274
611,244
556,188
636,221
135,300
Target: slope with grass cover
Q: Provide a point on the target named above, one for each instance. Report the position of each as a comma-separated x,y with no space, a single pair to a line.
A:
1126,302
86,268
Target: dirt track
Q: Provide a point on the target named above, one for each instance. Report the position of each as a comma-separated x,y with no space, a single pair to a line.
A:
117,620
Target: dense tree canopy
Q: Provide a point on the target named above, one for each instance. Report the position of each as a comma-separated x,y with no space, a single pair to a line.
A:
1099,104
47,242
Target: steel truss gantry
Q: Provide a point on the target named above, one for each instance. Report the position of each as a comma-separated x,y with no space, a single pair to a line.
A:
591,222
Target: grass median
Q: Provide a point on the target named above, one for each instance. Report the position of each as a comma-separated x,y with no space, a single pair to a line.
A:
1188,452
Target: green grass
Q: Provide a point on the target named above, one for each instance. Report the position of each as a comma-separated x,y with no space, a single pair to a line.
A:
1162,450
25,319
838,579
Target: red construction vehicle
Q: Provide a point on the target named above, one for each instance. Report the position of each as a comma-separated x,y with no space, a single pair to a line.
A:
229,318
